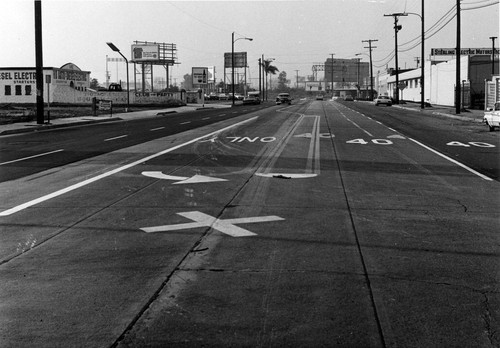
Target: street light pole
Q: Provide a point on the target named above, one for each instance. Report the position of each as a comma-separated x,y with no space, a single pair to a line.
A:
115,49
422,66
232,60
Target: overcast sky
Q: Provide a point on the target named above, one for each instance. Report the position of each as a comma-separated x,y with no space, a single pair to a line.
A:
297,34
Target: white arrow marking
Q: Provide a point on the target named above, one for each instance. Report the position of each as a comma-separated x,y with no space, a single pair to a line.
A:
305,135
196,179
203,220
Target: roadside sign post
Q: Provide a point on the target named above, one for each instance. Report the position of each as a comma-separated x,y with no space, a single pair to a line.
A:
48,80
200,78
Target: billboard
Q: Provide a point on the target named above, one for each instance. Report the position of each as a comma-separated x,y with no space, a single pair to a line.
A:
200,75
145,52
463,51
240,60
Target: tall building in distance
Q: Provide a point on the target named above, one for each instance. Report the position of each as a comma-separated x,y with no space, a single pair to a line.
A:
347,73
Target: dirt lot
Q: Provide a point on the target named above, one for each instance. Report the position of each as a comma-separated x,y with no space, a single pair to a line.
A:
21,113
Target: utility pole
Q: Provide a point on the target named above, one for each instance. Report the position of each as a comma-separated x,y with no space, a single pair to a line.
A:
39,62
260,71
332,54
370,47
396,29
458,90
297,79
492,38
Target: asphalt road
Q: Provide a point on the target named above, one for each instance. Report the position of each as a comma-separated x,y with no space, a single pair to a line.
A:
315,224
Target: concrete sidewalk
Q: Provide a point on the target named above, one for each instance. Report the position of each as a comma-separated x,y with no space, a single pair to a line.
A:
31,126
446,111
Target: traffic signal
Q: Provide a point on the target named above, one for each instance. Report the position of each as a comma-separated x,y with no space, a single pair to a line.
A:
398,27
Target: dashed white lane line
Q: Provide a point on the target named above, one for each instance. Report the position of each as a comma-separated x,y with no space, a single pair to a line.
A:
206,118
29,157
118,137
187,122
156,129
114,171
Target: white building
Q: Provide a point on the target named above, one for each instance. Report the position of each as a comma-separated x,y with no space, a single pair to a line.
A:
440,80
61,85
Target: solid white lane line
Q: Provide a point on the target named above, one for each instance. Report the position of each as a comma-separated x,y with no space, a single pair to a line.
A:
26,158
155,129
118,137
112,172
452,160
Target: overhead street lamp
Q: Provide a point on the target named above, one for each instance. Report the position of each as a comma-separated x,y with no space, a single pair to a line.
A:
115,49
232,59
422,67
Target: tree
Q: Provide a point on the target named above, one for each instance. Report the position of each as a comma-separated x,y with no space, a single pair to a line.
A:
188,82
283,82
270,69
94,84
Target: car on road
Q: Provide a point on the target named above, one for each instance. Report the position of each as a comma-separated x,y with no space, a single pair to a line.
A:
492,117
383,100
223,96
251,100
283,98
348,98
319,97
237,96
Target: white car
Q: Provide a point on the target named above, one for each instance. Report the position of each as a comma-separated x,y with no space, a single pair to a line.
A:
492,117
383,99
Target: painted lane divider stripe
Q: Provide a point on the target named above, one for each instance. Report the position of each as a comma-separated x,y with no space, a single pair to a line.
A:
114,171
30,157
156,129
227,226
187,122
452,160
118,137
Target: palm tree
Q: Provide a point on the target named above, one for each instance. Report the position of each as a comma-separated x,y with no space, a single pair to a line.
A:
268,68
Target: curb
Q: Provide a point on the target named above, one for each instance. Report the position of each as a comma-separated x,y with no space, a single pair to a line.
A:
463,118
43,127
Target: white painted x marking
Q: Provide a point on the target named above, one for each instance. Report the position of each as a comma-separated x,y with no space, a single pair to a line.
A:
226,226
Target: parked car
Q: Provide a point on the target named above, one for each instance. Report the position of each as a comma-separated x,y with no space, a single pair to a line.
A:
237,96
213,96
492,117
223,96
348,98
251,100
283,98
319,97
383,100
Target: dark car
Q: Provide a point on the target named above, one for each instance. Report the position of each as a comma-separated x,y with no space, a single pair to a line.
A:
348,98
283,98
